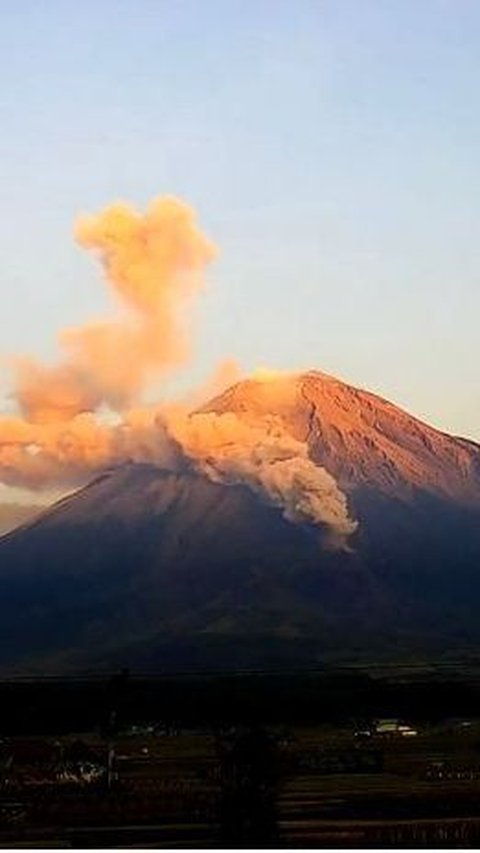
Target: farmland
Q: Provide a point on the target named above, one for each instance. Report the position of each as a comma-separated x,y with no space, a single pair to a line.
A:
275,774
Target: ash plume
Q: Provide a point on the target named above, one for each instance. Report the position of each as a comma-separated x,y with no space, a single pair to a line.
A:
154,265
84,414
270,462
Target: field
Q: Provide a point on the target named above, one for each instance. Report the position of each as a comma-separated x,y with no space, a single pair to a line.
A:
272,777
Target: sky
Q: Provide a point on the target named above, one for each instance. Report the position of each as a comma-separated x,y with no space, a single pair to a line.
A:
329,147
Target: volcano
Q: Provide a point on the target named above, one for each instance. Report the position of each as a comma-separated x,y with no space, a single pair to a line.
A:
162,570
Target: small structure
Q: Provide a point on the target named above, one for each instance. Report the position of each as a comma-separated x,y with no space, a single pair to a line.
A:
394,727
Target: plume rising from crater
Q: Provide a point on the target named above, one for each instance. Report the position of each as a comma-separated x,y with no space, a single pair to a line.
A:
271,462
84,414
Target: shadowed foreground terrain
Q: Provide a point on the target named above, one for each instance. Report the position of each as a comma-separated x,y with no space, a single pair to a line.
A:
346,758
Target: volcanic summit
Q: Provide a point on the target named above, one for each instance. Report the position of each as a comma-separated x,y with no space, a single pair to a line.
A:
161,569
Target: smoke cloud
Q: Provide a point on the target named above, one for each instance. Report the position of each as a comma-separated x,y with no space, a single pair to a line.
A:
84,414
271,462
154,265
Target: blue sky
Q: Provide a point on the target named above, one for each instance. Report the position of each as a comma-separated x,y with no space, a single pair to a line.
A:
330,147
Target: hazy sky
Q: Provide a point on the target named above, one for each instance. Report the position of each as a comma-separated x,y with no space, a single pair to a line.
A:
330,148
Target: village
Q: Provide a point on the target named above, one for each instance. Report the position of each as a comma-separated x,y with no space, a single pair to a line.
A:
162,774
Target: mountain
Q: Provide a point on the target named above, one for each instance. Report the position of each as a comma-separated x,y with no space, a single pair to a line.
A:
159,570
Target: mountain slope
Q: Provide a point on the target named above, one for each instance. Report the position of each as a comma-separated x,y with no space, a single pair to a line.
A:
144,556
159,570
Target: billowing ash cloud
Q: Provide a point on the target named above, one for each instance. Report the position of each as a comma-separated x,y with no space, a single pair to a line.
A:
269,461
153,264
84,414
69,453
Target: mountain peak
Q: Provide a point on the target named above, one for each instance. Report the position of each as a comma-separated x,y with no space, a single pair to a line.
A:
363,440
